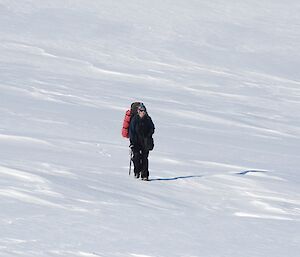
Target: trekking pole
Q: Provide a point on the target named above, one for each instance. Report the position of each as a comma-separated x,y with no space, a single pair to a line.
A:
130,161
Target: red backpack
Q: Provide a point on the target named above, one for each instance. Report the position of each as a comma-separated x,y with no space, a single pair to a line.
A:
128,116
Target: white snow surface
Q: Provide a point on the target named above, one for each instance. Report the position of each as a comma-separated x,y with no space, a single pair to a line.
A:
221,82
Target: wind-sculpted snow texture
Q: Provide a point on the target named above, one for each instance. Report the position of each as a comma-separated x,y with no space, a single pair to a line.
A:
221,82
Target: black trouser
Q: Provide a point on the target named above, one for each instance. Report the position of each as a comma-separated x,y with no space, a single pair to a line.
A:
141,163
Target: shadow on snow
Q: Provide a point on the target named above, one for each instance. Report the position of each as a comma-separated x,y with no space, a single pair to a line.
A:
175,178
251,171
199,176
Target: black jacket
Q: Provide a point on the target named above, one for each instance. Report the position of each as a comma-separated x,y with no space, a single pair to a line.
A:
141,131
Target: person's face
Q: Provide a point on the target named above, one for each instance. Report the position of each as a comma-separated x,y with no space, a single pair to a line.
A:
141,113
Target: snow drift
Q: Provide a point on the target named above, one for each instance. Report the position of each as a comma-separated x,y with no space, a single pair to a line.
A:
221,83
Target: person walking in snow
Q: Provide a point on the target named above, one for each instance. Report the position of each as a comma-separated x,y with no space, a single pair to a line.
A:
141,130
